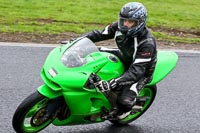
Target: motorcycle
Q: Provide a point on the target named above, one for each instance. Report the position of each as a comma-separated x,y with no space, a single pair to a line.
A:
69,95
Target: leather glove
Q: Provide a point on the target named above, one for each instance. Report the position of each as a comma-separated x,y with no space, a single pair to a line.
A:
105,86
113,84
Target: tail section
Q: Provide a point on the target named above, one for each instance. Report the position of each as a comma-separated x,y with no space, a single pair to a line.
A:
166,62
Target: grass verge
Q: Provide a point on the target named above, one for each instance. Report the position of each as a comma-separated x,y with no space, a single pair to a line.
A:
54,17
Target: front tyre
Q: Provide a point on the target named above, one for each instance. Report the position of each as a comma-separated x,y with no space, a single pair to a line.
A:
150,92
30,114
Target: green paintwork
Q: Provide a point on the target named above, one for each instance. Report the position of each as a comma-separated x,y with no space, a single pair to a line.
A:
166,62
69,82
27,127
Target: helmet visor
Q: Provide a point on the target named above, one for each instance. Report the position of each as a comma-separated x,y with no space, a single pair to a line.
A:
126,24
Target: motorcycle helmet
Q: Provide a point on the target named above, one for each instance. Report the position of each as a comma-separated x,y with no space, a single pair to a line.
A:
135,14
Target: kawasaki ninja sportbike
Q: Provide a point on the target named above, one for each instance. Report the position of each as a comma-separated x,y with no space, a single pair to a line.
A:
69,95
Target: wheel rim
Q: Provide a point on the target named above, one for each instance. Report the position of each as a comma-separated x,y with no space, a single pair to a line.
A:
27,122
145,92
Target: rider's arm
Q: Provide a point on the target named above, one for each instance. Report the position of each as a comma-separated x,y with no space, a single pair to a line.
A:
107,33
144,58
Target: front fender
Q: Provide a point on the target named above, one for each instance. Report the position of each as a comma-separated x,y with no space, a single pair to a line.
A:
48,92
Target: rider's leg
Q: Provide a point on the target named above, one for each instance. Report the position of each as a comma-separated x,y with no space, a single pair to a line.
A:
127,97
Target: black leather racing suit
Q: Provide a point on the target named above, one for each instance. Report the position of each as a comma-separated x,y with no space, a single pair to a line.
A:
138,54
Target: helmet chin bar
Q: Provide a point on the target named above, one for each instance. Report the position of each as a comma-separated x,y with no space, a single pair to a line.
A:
133,32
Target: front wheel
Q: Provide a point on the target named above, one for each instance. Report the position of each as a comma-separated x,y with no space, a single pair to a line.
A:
30,115
149,92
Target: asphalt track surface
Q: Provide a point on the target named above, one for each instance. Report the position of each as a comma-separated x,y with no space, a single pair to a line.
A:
176,108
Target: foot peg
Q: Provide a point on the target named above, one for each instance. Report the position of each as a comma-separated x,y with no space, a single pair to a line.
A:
140,101
142,98
109,115
136,108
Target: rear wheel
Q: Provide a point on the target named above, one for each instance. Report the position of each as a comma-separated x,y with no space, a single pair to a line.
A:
149,92
30,115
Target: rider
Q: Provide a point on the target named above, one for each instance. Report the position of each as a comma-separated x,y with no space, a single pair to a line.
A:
136,49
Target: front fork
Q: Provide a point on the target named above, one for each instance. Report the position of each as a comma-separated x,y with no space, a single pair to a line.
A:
57,106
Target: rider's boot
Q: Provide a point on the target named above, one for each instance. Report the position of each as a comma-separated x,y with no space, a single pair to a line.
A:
128,102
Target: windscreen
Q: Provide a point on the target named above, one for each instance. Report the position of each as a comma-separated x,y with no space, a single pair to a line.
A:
75,56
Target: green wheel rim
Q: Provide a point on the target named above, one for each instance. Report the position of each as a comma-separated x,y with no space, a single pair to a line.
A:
145,92
27,127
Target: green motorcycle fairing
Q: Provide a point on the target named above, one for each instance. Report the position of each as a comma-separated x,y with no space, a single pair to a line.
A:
65,74
67,69
166,62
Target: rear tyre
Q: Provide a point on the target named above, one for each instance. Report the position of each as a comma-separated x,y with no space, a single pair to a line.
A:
30,115
150,92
